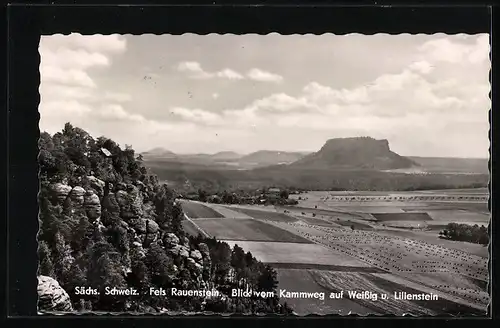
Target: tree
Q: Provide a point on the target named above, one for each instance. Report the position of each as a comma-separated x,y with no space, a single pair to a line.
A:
284,194
111,251
45,266
104,269
202,195
62,256
268,279
159,265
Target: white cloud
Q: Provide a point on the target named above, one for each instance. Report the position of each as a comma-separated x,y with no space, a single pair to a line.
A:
399,105
65,108
422,67
196,72
229,74
189,67
54,74
446,50
195,115
263,76
68,58
115,112
421,101
281,102
94,43
67,90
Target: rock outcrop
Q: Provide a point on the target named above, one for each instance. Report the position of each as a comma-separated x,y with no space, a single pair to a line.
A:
51,296
77,195
179,250
61,191
97,185
196,255
170,240
92,205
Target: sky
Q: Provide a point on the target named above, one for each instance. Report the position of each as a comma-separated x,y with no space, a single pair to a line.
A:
427,94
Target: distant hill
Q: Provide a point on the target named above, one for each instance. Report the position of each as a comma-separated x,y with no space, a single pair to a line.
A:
354,153
226,156
341,164
448,164
159,152
161,155
270,157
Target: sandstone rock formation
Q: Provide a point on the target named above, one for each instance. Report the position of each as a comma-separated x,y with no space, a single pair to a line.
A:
92,205
77,195
51,296
97,185
171,239
61,191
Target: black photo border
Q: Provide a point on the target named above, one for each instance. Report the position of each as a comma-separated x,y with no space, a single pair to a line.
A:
25,24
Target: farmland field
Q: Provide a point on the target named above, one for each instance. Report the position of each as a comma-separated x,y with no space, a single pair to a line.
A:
315,249
196,210
402,217
354,224
247,229
228,212
318,222
311,254
268,215
302,280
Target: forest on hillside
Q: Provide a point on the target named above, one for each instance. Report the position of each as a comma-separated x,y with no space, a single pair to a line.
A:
213,180
106,221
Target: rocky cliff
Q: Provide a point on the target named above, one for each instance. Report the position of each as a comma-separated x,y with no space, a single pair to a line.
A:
106,222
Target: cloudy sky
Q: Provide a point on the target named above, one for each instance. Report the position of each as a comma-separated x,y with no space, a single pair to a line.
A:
426,94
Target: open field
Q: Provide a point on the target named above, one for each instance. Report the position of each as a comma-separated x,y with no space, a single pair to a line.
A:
371,257
384,217
247,229
433,239
388,202
384,284
302,280
228,212
354,224
196,210
318,222
479,191
268,215
310,254
328,213
392,253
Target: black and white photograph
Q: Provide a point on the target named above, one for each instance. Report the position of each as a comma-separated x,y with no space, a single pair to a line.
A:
264,174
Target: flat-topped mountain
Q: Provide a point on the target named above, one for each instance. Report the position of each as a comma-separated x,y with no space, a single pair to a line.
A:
159,152
354,153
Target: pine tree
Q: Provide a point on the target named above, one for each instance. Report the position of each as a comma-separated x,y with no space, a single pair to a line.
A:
268,279
160,266
45,267
62,256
